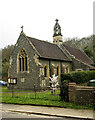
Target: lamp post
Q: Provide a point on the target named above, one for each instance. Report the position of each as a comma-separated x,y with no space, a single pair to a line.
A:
12,81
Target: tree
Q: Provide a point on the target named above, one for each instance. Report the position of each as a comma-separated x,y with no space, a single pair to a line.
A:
6,53
82,44
54,83
88,51
64,90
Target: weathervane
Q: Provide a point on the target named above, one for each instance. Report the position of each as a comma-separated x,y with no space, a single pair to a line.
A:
22,28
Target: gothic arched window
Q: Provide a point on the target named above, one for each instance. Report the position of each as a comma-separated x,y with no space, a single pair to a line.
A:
67,69
23,60
45,71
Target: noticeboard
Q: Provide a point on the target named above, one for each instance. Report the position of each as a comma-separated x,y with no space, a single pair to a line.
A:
12,80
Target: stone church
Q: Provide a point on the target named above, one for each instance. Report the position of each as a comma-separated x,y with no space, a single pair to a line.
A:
34,60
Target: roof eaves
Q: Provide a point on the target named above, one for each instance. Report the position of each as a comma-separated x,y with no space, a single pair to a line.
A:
43,57
83,62
67,52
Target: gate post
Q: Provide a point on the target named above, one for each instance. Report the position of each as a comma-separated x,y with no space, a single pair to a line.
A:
72,89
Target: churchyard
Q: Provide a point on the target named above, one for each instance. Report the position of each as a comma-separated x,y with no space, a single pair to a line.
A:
74,96
39,98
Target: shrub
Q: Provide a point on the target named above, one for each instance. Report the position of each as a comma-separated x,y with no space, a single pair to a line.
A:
78,76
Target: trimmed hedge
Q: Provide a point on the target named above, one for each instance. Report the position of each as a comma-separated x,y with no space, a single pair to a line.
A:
78,76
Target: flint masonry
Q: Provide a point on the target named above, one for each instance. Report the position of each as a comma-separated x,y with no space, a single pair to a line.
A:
33,60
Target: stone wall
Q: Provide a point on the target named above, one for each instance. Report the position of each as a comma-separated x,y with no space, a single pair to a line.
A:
51,69
82,95
25,79
35,74
79,65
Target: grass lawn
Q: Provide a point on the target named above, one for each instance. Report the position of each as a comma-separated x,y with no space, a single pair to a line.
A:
40,98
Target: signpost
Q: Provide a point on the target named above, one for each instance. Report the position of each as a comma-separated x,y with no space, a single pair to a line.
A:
12,81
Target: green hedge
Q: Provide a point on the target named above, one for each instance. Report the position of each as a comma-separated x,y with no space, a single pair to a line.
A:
78,76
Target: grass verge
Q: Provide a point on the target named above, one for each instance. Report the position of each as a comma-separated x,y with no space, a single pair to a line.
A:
40,98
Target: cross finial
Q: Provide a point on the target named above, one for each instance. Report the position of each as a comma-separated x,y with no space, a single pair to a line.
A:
22,28
56,20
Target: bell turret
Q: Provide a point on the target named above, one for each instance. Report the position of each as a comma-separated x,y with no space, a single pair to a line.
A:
57,36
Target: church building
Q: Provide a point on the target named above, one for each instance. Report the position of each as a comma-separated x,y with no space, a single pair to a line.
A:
34,60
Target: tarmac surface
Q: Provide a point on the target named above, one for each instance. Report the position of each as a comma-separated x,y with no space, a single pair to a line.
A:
50,111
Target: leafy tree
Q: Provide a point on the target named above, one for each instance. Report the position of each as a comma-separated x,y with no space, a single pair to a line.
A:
6,53
5,67
88,51
82,44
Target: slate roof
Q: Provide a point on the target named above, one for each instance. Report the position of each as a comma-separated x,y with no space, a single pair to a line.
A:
79,54
52,51
48,50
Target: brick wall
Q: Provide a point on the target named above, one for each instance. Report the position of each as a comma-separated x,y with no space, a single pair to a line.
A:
82,95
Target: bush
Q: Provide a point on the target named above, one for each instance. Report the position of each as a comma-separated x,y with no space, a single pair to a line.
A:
78,76
64,91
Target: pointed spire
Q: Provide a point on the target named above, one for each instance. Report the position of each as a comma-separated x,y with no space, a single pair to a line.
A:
57,29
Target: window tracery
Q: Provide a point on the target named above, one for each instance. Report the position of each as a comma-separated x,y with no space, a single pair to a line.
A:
23,60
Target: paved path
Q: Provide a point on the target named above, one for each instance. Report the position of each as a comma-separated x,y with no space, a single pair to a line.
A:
51,111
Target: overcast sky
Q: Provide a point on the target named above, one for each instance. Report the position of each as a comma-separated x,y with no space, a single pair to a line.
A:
38,18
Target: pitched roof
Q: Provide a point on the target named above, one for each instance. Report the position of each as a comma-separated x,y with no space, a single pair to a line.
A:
48,50
79,54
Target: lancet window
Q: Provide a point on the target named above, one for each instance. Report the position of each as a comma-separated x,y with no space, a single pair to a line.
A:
23,60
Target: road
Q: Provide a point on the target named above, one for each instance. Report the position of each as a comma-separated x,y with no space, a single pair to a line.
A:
12,112
7,115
